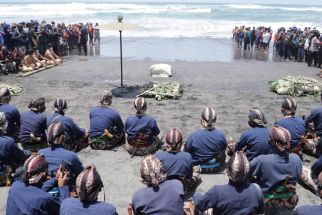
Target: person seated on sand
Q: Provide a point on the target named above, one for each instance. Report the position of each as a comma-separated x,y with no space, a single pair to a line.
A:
12,113
161,196
51,55
278,173
106,129
88,186
28,62
207,146
29,196
177,164
76,138
56,153
142,131
41,59
239,196
11,157
295,125
33,126
254,141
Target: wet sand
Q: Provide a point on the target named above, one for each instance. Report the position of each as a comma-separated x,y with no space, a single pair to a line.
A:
232,88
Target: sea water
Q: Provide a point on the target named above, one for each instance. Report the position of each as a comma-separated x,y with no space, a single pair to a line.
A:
165,20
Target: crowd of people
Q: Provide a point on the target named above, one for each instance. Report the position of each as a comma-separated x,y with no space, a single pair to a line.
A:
292,43
32,45
38,159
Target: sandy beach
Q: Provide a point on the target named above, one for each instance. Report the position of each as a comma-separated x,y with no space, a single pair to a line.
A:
232,88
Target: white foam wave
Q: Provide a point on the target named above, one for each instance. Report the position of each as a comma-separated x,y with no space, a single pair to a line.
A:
266,7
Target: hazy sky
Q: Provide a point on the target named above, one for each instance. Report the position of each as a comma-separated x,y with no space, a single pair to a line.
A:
301,2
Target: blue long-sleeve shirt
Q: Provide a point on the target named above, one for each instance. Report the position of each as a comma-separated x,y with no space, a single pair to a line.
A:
272,170
315,117
166,199
309,210
75,206
13,118
10,154
204,145
176,164
296,127
231,199
145,124
32,200
56,154
72,130
256,141
102,118
32,122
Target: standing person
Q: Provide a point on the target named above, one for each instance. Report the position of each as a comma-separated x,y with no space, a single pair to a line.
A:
278,173
97,34
11,112
252,37
142,131
91,33
76,137
320,54
255,141
314,49
33,126
295,125
207,146
247,39
28,197
88,186
266,40
106,127
239,196
82,39
161,196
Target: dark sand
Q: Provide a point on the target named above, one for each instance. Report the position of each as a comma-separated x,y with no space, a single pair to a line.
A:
231,88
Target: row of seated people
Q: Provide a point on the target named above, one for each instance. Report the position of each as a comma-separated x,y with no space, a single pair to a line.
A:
206,146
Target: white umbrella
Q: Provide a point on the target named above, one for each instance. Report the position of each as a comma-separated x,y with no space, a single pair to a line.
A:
120,26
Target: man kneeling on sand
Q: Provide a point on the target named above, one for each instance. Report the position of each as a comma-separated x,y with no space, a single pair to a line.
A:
29,63
51,55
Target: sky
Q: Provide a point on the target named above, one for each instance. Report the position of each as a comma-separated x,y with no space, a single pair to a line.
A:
292,2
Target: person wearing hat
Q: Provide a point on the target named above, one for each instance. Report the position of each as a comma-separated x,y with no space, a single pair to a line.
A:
239,196
161,196
88,186
12,113
142,130
207,146
33,125
278,173
29,196
106,127
177,164
11,157
76,137
56,153
254,142
295,125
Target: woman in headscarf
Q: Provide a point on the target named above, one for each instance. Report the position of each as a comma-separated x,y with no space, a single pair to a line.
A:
28,196
142,130
106,127
161,196
33,126
295,125
207,146
239,196
88,186
56,153
254,141
277,173
76,137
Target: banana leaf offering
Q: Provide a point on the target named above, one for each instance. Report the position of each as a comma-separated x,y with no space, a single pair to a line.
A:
163,90
14,90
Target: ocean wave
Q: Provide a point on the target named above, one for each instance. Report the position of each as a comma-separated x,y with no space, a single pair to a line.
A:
266,7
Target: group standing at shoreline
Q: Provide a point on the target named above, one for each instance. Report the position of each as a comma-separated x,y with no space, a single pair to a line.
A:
18,40
265,163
